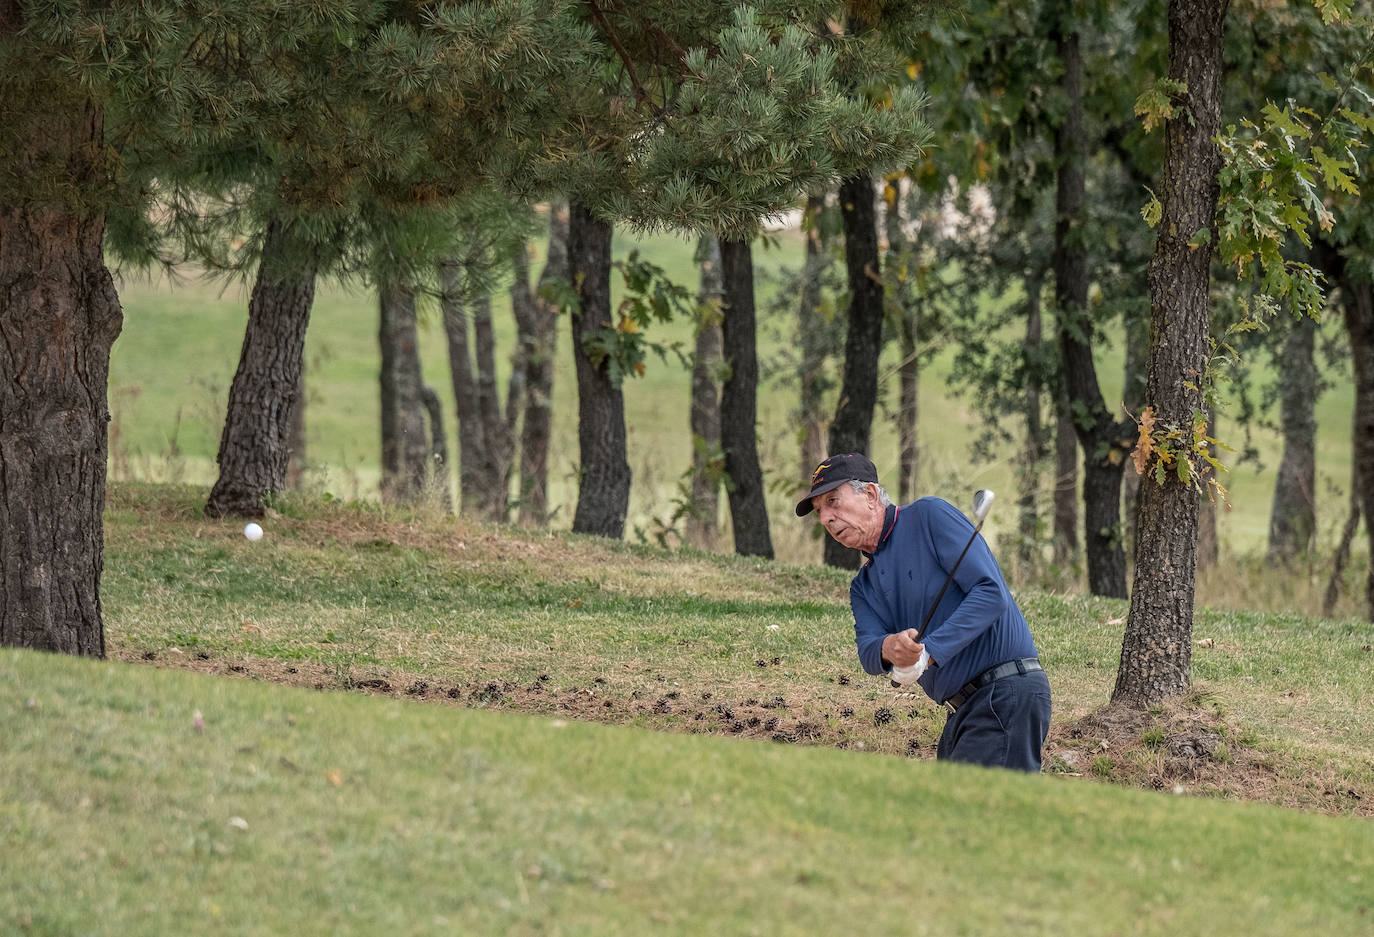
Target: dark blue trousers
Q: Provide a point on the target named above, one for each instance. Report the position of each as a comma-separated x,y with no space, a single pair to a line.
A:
1003,725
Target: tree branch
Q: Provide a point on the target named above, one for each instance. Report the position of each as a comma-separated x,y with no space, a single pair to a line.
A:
614,40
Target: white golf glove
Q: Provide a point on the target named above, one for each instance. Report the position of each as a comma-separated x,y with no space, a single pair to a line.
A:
903,676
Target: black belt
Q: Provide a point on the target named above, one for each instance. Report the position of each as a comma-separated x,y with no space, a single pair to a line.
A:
1024,665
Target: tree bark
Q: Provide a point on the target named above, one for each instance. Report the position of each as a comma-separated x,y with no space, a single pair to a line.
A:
486,436
1342,554
453,306
603,495
536,428
907,310
1105,443
853,424
1156,653
1208,547
1358,306
498,431
1033,452
296,459
405,443
814,335
59,317
436,477
739,403
1137,329
704,415
255,445
1065,483
1293,516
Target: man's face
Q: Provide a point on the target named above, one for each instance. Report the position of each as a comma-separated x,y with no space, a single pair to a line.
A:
854,519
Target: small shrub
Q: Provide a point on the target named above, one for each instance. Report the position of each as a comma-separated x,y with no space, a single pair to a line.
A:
1102,766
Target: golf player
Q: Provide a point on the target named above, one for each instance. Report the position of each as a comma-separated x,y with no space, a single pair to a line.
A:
982,663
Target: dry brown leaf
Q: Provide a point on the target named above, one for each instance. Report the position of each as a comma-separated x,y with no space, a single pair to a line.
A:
1145,444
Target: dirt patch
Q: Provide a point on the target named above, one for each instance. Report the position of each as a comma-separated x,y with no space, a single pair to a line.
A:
1187,747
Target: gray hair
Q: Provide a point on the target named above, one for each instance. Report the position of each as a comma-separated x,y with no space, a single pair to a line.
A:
859,488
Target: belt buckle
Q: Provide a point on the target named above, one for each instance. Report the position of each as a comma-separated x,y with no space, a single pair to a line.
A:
950,706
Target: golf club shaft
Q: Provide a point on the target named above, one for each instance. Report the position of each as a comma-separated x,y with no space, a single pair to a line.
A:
948,579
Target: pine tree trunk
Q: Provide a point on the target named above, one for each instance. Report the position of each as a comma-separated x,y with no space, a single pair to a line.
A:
1156,654
59,317
1137,330
739,403
1293,517
536,428
255,445
704,415
908,408
296,444
453,306
1104,448
853,424
603,495
1208,548
525,312
498,439
436,476
1342,554
1358,306
1065,483
814,337
1033,451
908,312
485,437
405,443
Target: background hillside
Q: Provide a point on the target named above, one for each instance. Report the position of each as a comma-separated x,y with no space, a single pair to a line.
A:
172,366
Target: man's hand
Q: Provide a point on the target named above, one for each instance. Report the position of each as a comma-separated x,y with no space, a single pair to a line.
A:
901,649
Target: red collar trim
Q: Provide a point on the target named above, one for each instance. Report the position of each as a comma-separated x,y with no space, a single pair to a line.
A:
887,531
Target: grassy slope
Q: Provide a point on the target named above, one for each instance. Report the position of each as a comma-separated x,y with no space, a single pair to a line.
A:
294,811
309,813
337,596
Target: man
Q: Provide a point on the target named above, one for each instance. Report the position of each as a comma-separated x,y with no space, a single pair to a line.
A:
983,666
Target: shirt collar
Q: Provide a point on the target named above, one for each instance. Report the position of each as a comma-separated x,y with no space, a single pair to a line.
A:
889,522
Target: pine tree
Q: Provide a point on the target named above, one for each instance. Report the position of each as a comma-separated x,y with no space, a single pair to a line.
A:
711,117
107,110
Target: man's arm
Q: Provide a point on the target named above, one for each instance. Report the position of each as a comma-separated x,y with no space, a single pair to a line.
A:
978,577
879,648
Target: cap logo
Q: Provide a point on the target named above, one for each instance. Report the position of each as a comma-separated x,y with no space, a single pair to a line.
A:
815,476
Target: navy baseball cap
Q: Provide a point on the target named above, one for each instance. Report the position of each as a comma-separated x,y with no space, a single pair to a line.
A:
834,472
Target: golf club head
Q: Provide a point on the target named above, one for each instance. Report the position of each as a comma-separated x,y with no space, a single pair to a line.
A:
982,503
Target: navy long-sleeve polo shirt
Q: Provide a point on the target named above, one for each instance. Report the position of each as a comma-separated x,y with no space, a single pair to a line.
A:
977,624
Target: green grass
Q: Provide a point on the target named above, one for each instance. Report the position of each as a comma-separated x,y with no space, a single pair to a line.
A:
301,812
172,366
349,595
495,731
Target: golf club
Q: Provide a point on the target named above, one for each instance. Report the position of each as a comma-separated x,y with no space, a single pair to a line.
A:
982,503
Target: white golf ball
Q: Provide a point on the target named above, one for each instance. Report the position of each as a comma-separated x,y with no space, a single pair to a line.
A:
252,532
